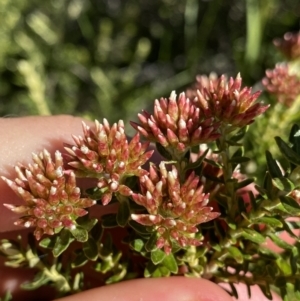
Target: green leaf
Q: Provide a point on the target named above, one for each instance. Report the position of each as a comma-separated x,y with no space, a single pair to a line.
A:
151,243
294,138
283,184
164,271
157,256
217,247
244,183
160,271
170,263
157,273
79,260
163,151
80,234
220,230
239,135
262,192
233,290
137,244
230,142
90,249
267,253
241,203
86,222
149,269
273,167
297,284
94,193
77,282
197,163
239,160
39,280
265,288
213,163
295,176
238,153
109,221
279,242
123,214
294,260
236,254
271,190
290,205
102,267
287,151
232,225
117,277
106,249
141,229
272,269
132,182
62,243
281,282
97,232
287,227
284,266
7,296
48,242
270,221
252,235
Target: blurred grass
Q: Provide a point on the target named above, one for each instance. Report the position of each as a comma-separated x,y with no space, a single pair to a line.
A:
111,58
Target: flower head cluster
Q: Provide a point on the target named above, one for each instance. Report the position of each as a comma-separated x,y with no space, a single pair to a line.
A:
174,209
52,200
227,102
105,153
289,45
282,83
202,81
177,123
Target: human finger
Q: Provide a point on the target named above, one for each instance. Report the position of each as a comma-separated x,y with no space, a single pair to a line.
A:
19,137
167,289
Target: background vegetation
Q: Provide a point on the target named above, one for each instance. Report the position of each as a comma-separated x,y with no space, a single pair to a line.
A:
109,58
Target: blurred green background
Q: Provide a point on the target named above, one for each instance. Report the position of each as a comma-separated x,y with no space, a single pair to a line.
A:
111,58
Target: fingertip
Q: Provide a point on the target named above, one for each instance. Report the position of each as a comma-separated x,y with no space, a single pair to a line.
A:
167,289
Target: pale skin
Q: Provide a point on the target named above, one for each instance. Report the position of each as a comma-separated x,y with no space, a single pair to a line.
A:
20,137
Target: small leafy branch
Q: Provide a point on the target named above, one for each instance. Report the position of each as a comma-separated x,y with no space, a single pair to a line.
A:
194,211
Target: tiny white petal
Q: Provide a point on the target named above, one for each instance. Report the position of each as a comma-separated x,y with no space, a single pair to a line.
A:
152,218
59,172
173,96
121,164
148,195
20,190
53,190
73,227
27,224
84,149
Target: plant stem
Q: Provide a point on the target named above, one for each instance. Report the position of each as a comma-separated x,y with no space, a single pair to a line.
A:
56,277
227,172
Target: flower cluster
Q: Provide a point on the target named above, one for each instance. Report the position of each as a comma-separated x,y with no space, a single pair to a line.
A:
282,83
227,102
202,81
174,209
105,153
289,45
177,124
52,200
